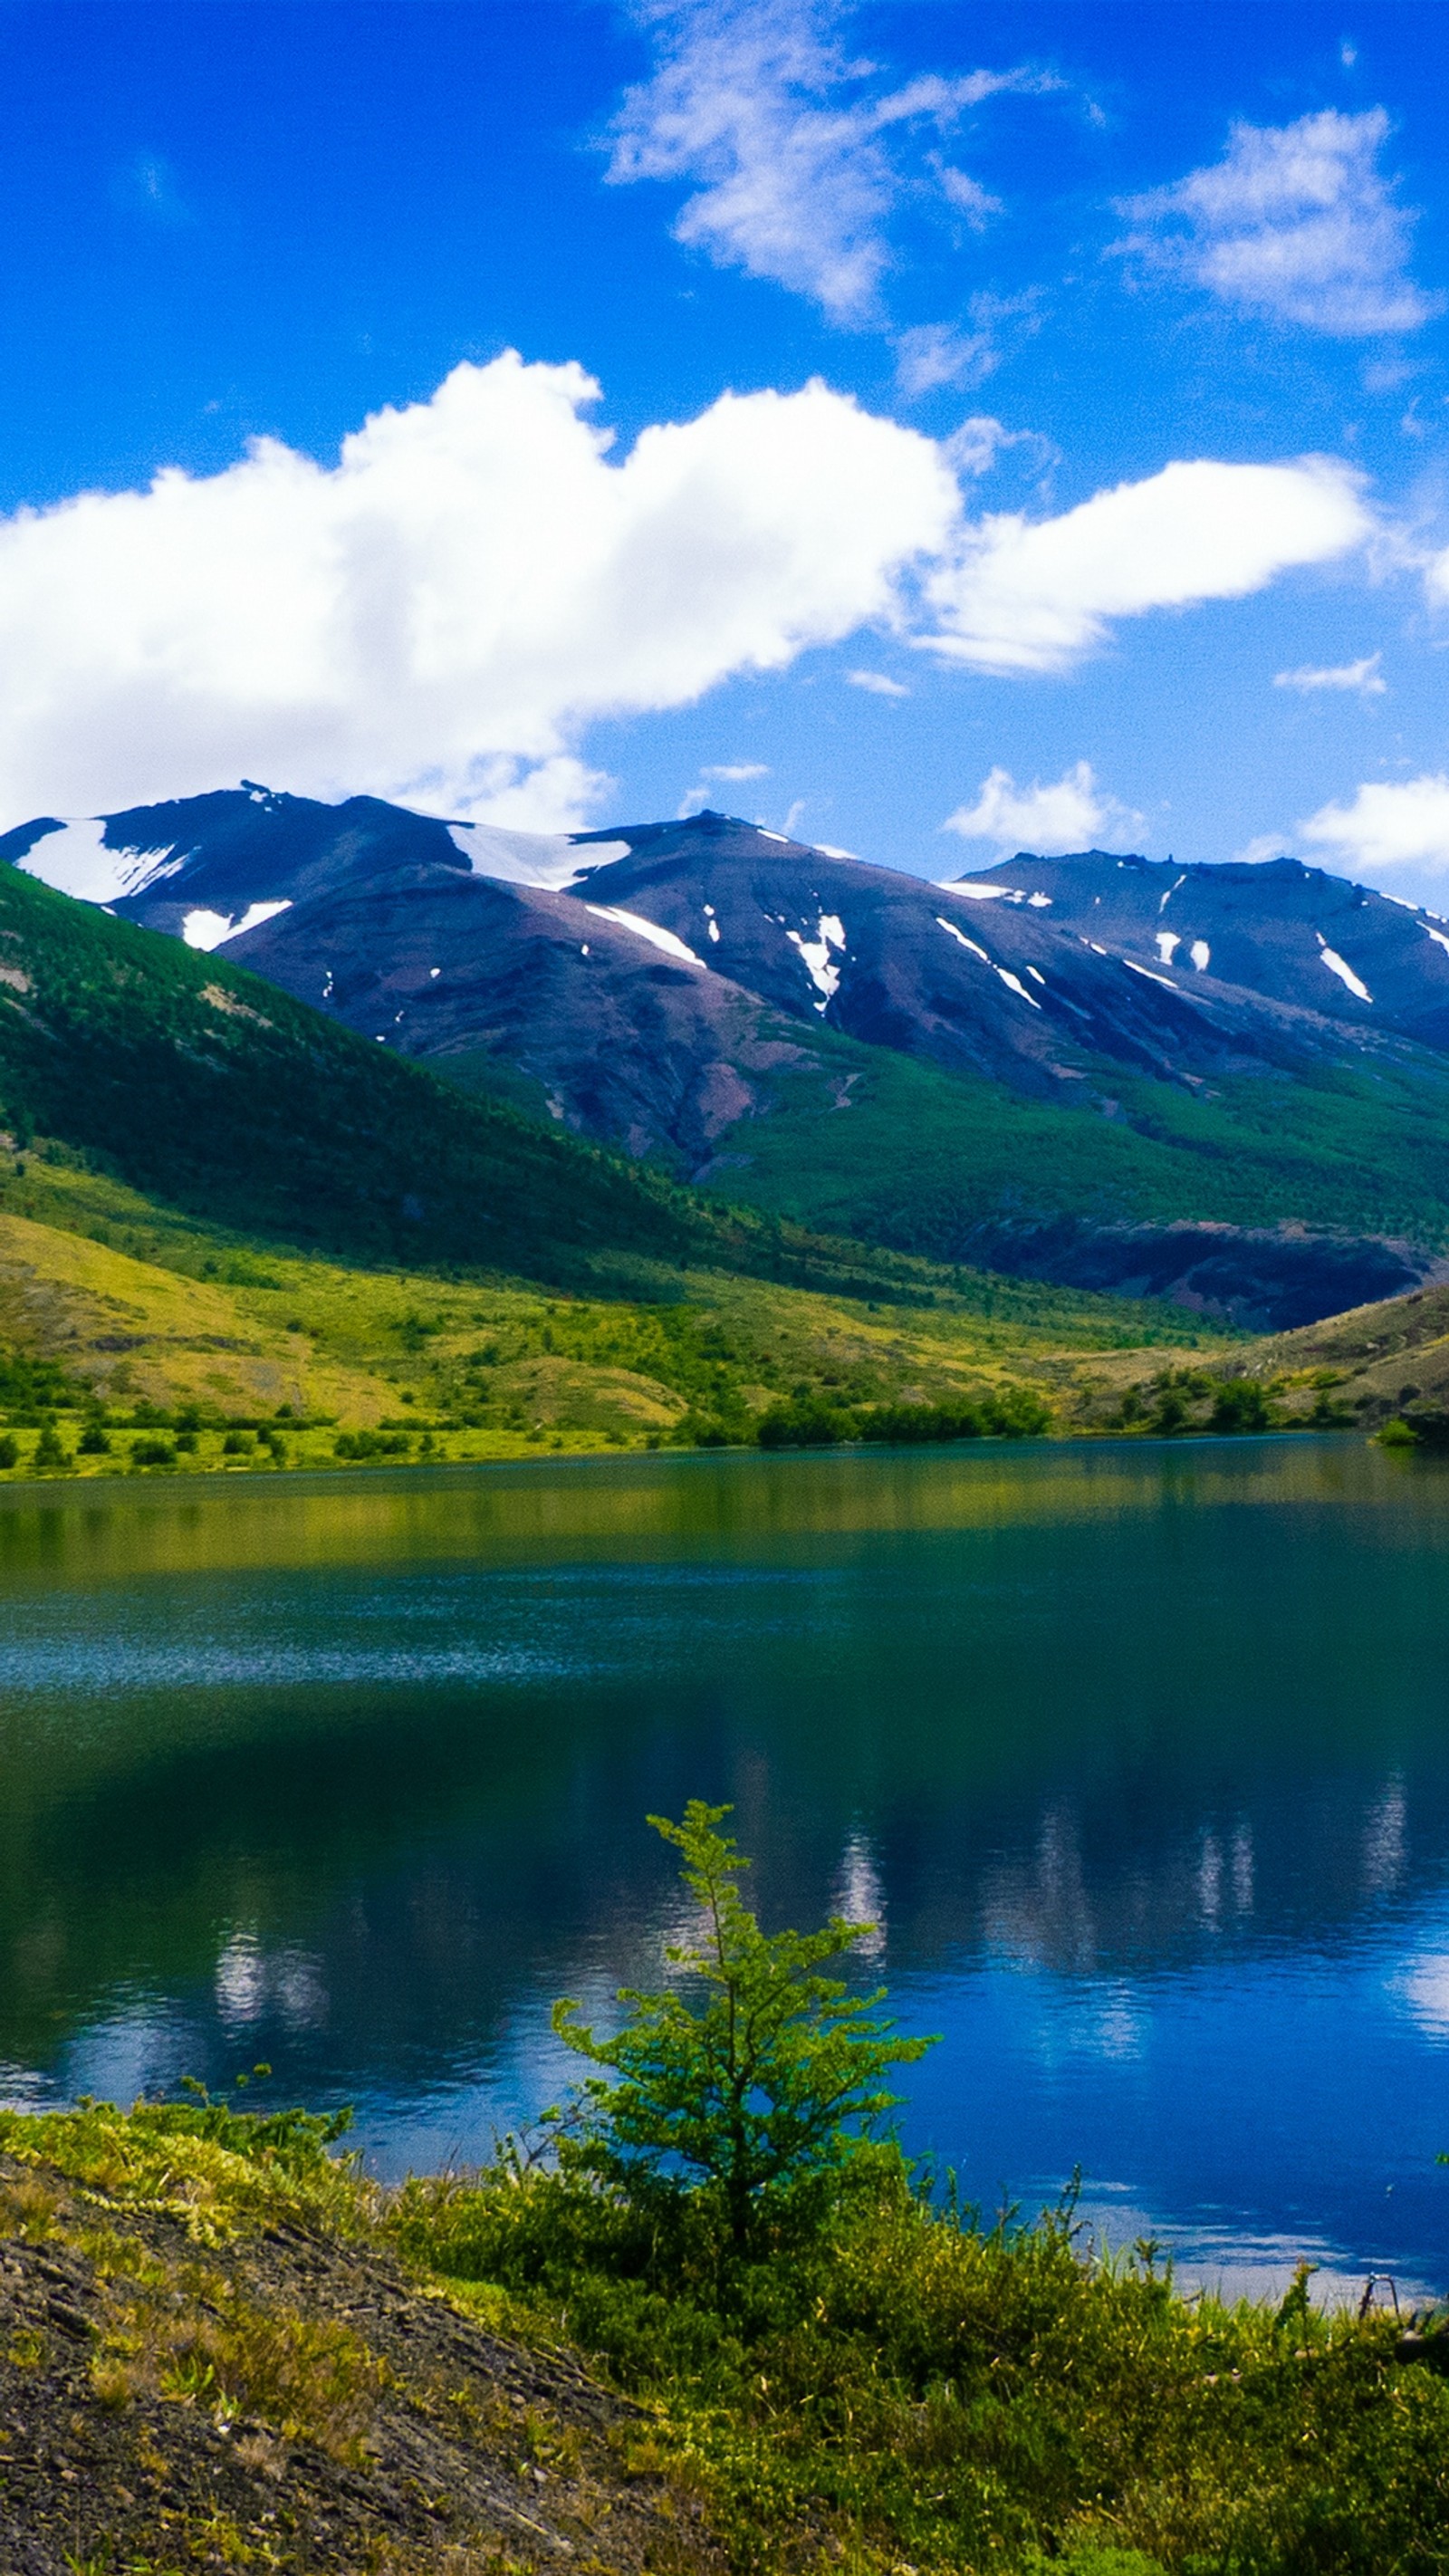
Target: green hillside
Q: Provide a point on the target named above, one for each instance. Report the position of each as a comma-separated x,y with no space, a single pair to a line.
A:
194,1081
123,1316
892,1150
222,1101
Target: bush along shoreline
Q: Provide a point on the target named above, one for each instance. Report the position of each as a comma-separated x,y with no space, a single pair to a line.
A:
71,1436
709,2318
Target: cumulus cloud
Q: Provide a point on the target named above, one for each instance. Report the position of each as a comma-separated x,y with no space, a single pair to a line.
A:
1363,676
797,154
440,613
1296,223
1035,595
1387,826
1069,813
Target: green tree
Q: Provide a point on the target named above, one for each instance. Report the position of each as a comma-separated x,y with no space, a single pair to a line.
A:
1240,1404
51,1456
762,2091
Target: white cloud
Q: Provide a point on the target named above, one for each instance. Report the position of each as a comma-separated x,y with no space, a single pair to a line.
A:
1262,847
438,615
1028,595
1295,222
966,194
1387,827
934,354
973,448
1067,814
1363,676
877,683
796,152
557,795
721,773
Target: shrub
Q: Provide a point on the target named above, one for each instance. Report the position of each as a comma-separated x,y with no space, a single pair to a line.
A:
9,1450
901,1423
93,1442
152,1453
1017,1413
51,1457
769,2087
1240,1404
238,1444
805,1423
372,1444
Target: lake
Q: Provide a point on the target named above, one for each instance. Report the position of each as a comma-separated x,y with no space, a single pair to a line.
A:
1138,1754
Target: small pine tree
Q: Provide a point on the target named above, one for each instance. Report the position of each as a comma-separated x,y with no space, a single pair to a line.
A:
51,1457
770,2087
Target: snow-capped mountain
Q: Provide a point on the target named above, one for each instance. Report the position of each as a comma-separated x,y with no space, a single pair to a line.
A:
1029,972
654,984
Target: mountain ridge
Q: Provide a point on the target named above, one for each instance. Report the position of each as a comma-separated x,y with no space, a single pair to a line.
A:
711,996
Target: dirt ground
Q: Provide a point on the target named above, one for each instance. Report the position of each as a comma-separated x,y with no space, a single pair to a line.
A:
290,2401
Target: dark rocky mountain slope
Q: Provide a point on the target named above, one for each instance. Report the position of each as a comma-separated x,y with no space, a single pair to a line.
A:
1282,932
1227,1082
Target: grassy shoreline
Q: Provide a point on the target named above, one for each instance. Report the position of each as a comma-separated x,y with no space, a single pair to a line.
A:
234,2350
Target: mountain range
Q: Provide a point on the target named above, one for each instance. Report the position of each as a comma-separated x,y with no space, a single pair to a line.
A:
1224,1082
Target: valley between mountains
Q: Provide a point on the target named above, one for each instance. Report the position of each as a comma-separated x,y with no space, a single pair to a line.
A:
1224,1084
344,1132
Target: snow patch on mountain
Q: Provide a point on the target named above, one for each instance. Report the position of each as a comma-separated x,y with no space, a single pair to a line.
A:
823,972
1339,966
649,930
75,860
203,929
961,939
548,859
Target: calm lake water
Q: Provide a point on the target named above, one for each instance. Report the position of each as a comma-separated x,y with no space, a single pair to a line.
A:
1139,1754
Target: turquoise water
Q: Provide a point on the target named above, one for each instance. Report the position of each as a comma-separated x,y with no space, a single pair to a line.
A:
1138,1753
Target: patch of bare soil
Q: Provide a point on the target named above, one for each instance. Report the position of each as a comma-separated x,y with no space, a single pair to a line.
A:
291,2401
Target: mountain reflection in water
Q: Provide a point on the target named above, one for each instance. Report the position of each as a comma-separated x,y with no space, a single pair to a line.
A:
1137,1755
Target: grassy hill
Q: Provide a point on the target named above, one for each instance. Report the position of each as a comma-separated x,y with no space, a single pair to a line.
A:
197,1083
897,1151
228,1222
117,1304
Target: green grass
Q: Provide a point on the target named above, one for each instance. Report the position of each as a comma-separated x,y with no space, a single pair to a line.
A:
202,1086
916,1157
909,2388
226,1106
121,1307
913,2386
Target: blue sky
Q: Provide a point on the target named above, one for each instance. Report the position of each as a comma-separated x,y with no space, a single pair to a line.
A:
1032,416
